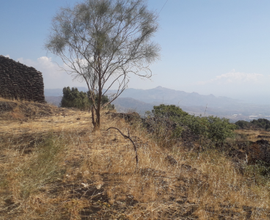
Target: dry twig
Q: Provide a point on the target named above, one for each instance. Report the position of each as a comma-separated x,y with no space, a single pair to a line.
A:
128,137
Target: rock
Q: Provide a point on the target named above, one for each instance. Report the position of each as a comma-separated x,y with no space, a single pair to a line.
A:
20,82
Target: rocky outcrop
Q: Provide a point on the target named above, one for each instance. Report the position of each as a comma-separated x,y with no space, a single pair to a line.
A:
20,82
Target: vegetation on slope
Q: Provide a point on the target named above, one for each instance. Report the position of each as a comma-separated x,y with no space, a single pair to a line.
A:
180,123
72,98
260,123
55,167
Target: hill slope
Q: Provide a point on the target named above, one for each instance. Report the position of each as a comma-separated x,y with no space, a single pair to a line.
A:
55,167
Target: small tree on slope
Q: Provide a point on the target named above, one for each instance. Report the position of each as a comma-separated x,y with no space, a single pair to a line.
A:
73,98
102,42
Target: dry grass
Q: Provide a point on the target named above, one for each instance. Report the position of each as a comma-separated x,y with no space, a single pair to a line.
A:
55,167
254,135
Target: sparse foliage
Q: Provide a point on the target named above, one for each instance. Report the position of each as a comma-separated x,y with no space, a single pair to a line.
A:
102,42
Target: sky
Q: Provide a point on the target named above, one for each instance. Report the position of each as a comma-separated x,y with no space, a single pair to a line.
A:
219,47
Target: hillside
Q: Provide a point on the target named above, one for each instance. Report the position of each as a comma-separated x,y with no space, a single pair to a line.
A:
55,167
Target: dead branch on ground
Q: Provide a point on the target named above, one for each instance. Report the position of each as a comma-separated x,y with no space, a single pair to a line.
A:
128,137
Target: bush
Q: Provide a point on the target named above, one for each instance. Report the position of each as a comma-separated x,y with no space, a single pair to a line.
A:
213,128
74,98
218,129
241,124
259,123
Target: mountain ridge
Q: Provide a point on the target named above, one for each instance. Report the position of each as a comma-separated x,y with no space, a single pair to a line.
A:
163,95
143,100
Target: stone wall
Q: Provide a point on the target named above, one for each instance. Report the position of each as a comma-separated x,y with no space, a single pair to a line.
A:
18,81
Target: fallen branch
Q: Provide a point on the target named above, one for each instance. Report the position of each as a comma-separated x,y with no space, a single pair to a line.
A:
128,137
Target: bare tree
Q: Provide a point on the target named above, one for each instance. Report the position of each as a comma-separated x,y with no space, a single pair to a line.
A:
102,42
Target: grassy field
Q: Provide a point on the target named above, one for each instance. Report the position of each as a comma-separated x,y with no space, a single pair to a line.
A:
53,166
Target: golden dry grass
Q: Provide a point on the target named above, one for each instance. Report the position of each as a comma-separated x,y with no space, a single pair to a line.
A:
56,167
254,135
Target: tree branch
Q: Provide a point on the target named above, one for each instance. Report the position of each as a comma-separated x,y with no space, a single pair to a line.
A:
128,137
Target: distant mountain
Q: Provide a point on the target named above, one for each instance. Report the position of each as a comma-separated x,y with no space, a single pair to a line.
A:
130,104
53,92
195,103
121,104
170,96
143,100
55,100
163,95
160,95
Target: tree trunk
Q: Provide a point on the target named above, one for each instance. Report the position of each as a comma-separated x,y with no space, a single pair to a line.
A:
99,105
96,123
93,117
97,127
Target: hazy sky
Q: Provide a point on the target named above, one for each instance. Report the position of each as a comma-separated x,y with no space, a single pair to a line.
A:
219,47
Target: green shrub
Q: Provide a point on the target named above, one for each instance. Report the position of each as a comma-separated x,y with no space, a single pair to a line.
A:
256,123
241,124
73,98
213,128
219,129
261,123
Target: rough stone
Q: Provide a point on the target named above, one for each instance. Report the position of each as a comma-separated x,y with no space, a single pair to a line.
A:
20,82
